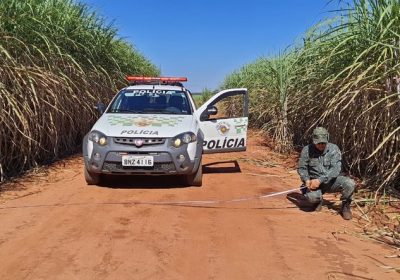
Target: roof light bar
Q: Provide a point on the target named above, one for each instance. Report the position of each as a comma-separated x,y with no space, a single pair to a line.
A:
156,79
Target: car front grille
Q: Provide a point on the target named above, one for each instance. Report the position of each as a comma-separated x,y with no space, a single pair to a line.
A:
158,168
139,141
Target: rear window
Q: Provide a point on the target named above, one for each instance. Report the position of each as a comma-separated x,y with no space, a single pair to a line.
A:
151,101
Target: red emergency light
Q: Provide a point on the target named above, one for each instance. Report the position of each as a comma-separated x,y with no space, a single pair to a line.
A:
163,80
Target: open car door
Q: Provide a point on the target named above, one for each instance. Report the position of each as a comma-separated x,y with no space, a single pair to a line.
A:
223,121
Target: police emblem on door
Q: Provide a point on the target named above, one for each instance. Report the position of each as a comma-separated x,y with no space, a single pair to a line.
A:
223,128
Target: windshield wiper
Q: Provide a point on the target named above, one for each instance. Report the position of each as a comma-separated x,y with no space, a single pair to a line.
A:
125,111
157,111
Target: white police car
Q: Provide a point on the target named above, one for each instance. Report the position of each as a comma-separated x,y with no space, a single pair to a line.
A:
152,127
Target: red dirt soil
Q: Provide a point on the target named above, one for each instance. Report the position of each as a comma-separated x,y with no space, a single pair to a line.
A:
54,226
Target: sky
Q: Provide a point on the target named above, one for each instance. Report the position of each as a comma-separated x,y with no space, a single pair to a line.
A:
206,40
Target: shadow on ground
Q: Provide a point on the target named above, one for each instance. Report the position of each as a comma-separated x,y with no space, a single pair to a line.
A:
303,204
229,166
164,181
142,182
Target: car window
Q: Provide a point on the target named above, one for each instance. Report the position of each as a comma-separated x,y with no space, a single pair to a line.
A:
149,101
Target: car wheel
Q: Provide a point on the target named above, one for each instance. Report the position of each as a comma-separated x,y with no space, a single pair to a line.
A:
91,178
195,179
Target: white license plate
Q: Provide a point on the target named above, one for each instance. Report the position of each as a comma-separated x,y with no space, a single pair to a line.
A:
137,161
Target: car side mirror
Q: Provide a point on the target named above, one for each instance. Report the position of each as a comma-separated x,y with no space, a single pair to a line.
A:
212,110
100,107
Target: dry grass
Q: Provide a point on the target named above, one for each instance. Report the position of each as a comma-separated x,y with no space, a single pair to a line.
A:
346,77
58,60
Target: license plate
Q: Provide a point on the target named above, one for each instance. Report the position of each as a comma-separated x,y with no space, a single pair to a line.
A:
137,161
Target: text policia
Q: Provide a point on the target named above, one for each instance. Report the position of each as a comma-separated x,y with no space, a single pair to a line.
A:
224,143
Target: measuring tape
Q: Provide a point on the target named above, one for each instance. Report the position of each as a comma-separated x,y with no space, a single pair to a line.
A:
222,201
179,202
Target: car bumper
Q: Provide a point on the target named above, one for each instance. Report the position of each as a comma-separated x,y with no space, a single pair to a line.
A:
165,158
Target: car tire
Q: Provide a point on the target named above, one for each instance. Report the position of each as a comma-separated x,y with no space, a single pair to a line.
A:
195,179
91,178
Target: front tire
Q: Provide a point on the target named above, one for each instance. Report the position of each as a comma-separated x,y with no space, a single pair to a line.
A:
91,178
195,179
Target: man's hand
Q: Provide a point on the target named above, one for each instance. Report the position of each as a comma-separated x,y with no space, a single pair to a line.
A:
314,184
307,183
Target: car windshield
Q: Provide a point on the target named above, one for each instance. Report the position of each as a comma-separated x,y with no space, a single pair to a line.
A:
151,101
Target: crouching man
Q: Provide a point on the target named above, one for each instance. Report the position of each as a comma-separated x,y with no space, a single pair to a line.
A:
320,165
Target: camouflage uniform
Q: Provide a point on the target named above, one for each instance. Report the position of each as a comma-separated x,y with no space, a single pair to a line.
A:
325,166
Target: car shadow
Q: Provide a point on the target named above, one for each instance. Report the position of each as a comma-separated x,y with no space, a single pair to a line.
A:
164,181
303,204
221,167
142,182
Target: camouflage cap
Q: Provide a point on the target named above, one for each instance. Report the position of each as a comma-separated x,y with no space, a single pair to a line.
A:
320,135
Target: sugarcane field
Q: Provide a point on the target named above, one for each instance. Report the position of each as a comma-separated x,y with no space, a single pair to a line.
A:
199,140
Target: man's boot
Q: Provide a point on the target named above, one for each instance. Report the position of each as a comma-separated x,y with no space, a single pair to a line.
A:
318,206
346,210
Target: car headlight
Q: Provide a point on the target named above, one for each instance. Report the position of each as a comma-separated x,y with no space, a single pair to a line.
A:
177,142
98,138
183,138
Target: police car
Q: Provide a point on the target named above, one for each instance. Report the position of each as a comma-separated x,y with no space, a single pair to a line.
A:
152,127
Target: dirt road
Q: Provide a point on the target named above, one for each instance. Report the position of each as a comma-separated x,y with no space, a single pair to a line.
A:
56,227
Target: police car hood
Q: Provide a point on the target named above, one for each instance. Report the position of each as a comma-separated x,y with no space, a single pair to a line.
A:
143,125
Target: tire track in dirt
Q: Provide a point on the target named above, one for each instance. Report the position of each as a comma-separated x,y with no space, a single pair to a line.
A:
213,255
198,245
72,231
152,235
